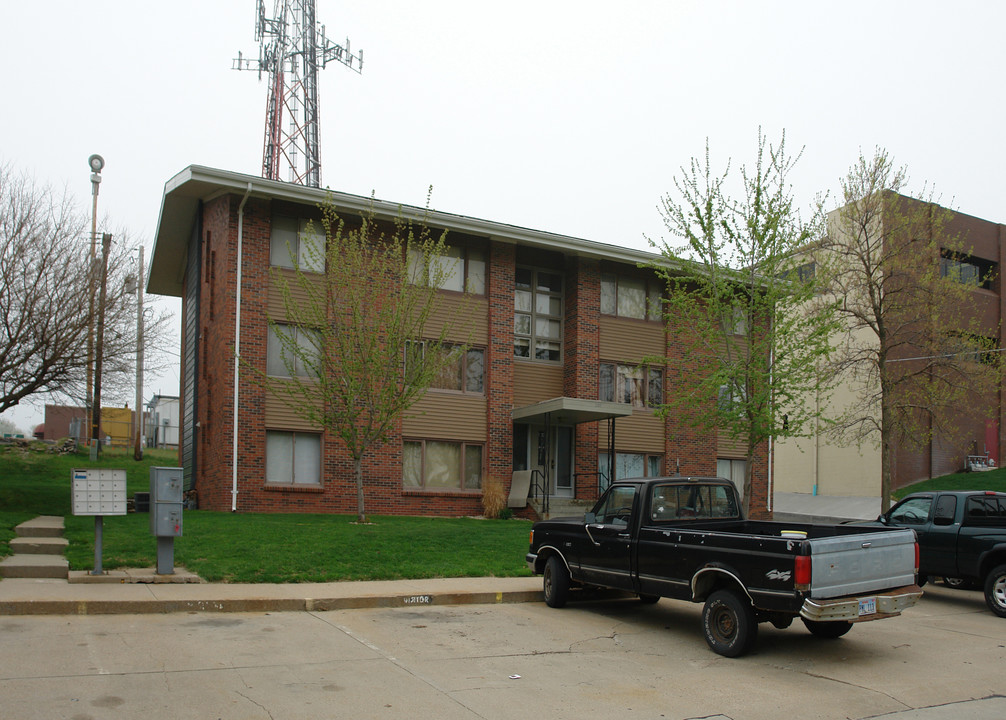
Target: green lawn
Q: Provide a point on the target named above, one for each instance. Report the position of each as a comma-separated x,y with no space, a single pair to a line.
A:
991,480
257,547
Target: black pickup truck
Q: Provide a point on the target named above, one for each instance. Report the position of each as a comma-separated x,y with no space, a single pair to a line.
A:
962,538
685,538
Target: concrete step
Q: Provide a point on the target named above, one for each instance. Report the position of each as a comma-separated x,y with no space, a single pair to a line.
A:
38,545
563,507
42,526
34,566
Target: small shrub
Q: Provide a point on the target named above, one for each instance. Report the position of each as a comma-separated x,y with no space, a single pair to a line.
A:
493,498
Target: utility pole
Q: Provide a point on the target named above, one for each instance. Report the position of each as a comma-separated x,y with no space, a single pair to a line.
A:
138,413
292,48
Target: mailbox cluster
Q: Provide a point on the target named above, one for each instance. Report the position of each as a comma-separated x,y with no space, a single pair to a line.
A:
99,492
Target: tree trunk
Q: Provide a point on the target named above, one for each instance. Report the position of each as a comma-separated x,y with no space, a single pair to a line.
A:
361,515
886,452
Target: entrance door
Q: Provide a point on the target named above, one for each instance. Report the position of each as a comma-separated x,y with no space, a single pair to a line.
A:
552,454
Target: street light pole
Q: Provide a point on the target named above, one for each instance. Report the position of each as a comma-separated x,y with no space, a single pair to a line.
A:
96,163
138,447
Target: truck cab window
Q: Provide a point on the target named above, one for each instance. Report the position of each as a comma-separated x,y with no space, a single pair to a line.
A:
616,507
913,511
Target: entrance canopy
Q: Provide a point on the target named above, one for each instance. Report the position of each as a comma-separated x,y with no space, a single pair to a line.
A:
570,411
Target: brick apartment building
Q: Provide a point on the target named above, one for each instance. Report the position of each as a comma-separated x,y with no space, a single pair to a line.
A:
558,325
821,466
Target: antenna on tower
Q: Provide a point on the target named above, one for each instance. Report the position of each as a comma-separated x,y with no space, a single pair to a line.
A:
292,48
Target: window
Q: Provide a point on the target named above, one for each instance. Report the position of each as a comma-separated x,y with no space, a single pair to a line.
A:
967,270
615,508
671,502
292,458
913,511
466,374
281,361
629,465
439,465
460,268
636,385
729,397
537,315
294,245
736,322
734,471
631,297
985,510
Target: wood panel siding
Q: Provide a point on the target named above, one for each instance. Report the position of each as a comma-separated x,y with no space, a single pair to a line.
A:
640,432
280,416
630,340
469,313
447,416
728,446
535,381
276,307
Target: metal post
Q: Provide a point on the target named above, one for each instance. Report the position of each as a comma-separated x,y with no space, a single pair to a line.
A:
98,532
106,245
165,554
96,163
138,447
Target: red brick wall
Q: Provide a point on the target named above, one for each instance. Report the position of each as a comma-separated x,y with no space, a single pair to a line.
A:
382,468
580,363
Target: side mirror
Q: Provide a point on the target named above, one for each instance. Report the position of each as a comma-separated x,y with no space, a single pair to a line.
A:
882,519
589,517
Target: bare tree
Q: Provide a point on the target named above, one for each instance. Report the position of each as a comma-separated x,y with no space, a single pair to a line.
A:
358,341
912,348
736,281
44,287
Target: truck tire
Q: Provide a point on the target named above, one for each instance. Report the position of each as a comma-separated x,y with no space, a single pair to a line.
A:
555,582
648,599
830,630
995,590
728,622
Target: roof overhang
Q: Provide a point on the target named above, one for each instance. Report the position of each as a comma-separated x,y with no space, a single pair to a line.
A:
195,184
570,411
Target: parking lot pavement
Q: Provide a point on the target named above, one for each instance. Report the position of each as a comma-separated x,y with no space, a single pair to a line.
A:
941,660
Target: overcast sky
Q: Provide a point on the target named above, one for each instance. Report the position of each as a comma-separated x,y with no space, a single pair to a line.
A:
570,116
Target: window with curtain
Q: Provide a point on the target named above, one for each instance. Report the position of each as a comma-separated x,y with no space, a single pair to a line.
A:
292,458
282,361
459,268
636,385
630,296
296,242
441,465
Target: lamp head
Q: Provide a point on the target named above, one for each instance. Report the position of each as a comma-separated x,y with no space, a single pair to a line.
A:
96,163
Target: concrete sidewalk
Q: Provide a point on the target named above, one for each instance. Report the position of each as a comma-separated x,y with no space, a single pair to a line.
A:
58,597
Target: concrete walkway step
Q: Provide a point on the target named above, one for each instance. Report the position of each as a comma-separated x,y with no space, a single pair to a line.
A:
42,526
34,566
38,545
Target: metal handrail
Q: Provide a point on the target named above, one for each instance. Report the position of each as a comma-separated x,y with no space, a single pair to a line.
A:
538,484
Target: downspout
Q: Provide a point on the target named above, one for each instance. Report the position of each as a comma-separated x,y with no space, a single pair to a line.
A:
237,351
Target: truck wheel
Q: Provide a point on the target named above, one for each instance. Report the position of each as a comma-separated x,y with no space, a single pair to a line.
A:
728,623
648,599
830,630
995,591
555,581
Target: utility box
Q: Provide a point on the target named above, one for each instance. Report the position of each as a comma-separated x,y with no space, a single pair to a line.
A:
166,501
98,492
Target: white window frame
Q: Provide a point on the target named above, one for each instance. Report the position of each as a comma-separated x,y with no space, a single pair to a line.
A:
529,336
420,483
275,362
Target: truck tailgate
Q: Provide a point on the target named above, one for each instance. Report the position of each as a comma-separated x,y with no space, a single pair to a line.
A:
862,563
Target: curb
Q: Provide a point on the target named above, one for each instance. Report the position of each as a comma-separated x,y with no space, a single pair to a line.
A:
110,607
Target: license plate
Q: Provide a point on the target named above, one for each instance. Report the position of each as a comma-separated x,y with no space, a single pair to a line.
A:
868,606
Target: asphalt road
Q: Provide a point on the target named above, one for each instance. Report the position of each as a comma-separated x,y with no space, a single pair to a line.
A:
608,658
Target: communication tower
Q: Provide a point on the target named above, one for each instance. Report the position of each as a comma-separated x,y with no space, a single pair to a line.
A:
292,48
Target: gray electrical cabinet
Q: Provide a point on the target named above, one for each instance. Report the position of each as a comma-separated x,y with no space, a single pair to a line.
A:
166,501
